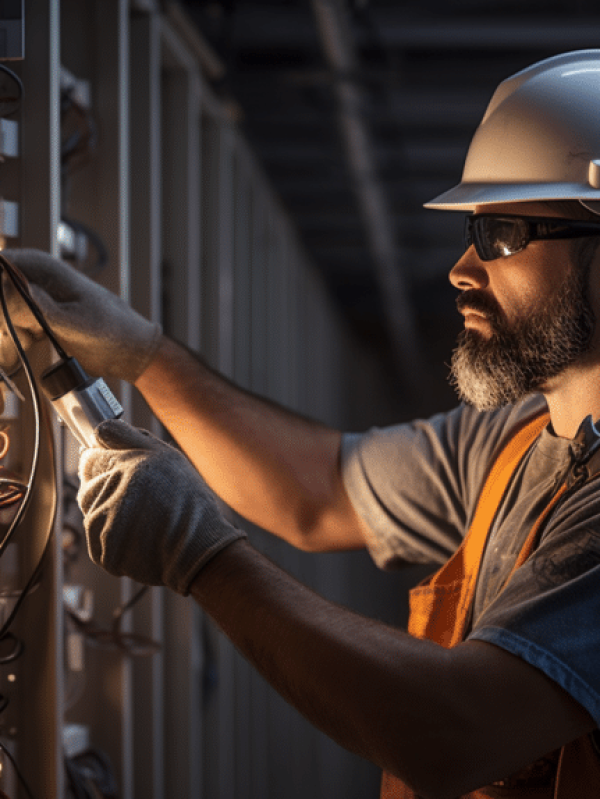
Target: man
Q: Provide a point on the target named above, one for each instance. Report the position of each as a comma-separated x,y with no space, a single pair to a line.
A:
509,678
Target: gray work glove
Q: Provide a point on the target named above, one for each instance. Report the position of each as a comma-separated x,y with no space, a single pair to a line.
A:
106,336
148,514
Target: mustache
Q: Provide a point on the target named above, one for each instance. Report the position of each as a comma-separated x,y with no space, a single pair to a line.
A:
479,301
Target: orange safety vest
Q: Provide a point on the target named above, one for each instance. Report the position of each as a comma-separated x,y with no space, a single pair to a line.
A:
440,609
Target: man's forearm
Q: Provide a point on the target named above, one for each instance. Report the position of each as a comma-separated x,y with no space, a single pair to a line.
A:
445,721
275,468
337,668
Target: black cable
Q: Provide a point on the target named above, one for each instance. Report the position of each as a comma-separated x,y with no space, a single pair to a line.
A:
36,412
82,138
78,790
19,82
118,612
16,652
96,242
35,575
79,146
91,776
20,283
133,644
130,644
26,787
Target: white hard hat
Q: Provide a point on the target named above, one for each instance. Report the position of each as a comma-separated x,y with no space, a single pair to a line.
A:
538,140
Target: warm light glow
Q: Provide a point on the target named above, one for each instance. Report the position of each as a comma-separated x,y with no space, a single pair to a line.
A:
12,677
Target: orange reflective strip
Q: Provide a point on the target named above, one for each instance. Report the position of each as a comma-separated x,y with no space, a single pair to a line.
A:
496,485
440,606
467,558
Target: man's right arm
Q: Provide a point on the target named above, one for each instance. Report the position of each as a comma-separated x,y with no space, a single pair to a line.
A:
273,467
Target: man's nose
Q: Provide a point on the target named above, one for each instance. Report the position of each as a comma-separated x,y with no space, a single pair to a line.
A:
469,272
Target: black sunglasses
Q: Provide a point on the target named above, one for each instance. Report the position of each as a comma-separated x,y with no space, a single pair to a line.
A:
498,236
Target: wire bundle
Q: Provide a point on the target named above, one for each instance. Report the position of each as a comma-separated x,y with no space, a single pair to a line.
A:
13,492
22,780
130,644
77,148
20,285
80,770
90,776
10,101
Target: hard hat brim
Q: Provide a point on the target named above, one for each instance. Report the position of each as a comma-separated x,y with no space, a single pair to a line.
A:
466,196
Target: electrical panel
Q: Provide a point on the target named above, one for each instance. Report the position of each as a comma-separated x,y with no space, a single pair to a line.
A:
116,155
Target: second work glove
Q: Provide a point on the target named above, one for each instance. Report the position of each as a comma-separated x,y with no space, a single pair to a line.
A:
106,336
148,514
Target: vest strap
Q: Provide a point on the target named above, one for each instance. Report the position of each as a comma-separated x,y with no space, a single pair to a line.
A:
440,611
441,604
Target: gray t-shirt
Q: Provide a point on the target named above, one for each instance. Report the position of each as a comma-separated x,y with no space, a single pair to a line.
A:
416,486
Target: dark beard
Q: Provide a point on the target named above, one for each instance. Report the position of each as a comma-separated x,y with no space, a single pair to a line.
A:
520,358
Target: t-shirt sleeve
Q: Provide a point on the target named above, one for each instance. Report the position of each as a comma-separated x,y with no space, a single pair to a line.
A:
415,485
548,612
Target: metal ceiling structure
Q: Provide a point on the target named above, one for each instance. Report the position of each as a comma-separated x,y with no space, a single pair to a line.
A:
361,111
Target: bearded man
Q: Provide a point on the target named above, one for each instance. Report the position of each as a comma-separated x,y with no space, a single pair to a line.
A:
495,689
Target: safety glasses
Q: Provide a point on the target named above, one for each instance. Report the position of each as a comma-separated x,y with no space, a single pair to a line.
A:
498,236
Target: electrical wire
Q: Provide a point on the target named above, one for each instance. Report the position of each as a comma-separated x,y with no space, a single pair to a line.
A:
83,140
96,242
76,789
14,492
77,148
24,490
16,651
130,644
35,577
90,776
36,411
11,490
122,609
19,97
19,281
39,412
21,778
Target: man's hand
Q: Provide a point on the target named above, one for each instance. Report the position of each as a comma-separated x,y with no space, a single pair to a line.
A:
106,336
148,513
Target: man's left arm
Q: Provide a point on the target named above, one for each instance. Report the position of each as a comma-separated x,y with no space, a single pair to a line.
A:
444,721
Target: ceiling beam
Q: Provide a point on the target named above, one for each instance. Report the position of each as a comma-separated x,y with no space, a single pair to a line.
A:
268,26
334,30
497,33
